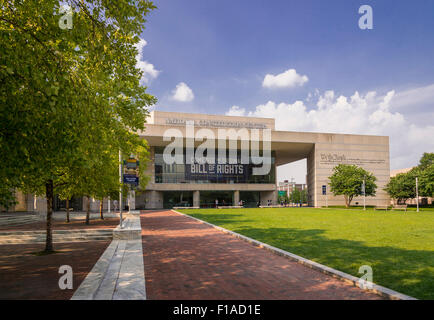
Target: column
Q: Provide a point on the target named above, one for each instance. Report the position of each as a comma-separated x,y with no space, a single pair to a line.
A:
196,198
236,198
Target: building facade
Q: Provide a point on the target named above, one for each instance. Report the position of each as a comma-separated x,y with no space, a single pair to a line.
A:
194,185
232,177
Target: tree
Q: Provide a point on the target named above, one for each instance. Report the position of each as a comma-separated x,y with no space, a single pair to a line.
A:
347,180
426,160
65,91
425,172
402,187
426,181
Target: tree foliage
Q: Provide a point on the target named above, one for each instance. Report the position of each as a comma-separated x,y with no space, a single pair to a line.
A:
347,180
68,97
403,185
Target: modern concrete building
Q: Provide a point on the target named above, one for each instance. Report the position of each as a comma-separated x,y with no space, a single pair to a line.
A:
175,185
201,185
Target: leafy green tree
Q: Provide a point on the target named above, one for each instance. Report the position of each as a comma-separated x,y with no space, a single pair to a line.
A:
426,181
64,92
426,161
347,180
425,173
402,187
296,196
303,195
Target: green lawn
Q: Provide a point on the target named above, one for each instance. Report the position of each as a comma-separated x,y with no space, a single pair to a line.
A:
398,246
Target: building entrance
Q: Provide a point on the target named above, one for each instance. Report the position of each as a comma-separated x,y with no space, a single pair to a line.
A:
208,198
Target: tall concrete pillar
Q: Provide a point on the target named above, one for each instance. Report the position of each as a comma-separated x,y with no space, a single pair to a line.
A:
196,198
236,197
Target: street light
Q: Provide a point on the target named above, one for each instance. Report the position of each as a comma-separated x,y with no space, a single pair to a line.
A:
417,196
364,192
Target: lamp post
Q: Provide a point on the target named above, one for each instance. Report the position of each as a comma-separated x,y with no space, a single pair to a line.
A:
417,195
364,193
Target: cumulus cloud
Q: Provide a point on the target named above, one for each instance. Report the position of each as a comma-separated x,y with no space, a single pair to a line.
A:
182,93
357,114
288,79
236,111
148,69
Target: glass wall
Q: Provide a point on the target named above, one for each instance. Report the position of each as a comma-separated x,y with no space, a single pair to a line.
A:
250,199
208,198
210,173
177,199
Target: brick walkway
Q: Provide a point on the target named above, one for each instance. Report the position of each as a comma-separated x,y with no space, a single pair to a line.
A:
27,276
186,259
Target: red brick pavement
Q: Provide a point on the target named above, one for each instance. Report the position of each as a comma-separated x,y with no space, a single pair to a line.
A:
26,276
187,259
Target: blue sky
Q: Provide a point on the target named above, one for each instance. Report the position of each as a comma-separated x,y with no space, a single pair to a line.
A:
222,50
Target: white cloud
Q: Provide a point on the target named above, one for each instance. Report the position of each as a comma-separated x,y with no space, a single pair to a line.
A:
148,69
358,114
182,93
236,111
288,79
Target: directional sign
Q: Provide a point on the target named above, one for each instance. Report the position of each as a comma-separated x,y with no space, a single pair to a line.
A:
282,193
324,190
131,163
131,179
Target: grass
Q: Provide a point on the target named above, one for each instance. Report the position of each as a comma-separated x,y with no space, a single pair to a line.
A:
398,246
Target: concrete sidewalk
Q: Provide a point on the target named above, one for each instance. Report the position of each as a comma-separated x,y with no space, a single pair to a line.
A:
187,259
119,272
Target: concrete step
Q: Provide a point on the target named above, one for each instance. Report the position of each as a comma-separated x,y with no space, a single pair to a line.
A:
10,237
64,232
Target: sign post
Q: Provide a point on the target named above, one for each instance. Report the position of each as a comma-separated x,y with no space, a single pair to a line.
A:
364,193
120,190
130,177
324,193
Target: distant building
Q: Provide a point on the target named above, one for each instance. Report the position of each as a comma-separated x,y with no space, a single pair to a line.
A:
290,186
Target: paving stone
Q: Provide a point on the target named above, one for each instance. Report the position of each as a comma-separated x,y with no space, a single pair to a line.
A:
188,259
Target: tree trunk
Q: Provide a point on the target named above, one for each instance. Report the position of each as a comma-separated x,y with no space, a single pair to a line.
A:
88,210
49,195
67,210
100,209
347,205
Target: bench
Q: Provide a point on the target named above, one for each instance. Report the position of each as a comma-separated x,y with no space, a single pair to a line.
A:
400,207
381,208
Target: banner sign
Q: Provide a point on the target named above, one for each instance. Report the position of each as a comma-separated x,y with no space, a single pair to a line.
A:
131,179
282,193
215,171
324,190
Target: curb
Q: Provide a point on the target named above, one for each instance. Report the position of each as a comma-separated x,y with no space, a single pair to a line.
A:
380,290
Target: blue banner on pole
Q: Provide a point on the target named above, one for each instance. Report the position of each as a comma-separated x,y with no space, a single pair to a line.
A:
131,179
